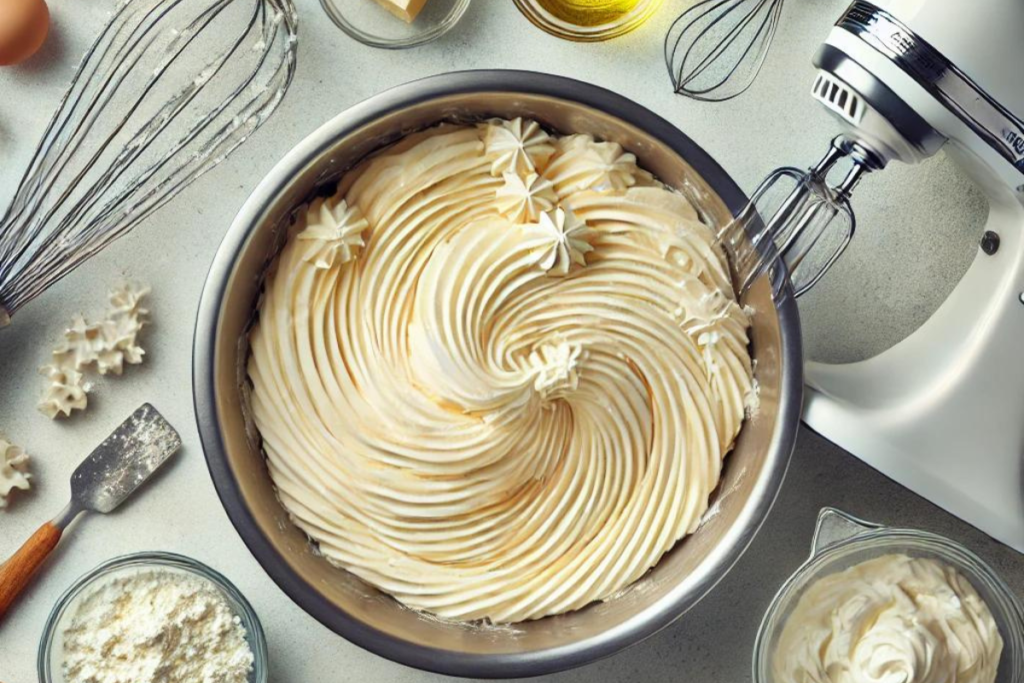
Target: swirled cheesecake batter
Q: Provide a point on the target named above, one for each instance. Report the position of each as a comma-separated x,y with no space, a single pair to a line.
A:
893,619
496,374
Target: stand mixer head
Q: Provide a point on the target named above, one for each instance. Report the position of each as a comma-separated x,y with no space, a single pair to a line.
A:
942,412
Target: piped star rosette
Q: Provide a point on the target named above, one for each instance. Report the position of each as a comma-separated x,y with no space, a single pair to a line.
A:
497,373
105,347
14,472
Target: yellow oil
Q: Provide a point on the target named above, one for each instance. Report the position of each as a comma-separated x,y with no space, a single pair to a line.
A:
589,13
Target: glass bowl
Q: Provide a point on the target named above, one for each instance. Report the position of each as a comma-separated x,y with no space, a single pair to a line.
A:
553,17
842,541
51,645
371,24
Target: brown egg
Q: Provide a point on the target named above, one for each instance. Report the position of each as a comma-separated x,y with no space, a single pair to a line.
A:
23,28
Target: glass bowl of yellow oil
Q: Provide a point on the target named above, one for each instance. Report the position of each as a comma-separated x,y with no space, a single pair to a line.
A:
588,20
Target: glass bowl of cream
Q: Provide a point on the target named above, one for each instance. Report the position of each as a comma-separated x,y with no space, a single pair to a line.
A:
875,604
73,622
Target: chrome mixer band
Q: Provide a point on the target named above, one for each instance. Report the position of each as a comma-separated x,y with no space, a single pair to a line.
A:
1003,131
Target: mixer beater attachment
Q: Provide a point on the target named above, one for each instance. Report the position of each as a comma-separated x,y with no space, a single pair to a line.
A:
166,92
795,217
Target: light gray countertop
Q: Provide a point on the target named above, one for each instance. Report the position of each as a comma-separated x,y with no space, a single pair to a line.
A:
919,230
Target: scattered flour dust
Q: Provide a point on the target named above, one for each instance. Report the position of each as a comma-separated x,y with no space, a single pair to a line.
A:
155,626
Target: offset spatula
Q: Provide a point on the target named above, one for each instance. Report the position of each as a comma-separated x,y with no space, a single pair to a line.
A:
110,474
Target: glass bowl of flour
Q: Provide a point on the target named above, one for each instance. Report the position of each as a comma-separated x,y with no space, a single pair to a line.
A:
152,616
884,604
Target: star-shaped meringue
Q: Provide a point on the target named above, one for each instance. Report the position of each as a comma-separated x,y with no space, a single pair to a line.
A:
517,146
554,368
583,164
104,346
81,345
335,230
127,298
566,240
618,168
13,470
121,328
523,200
121,335
67,391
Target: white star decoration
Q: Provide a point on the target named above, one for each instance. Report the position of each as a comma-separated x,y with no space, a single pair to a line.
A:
554,368
121,329
617,167
106,345
81,345
335,230
583,164
13,470
66,392
566,239
524,200
517,146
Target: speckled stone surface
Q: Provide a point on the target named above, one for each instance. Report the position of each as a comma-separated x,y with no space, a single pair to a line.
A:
918,232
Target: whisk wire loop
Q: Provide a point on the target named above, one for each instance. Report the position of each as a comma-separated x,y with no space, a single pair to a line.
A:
164,94
716,48
685,78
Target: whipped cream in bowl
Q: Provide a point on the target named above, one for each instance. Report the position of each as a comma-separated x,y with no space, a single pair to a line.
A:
440,334
498,372
884,605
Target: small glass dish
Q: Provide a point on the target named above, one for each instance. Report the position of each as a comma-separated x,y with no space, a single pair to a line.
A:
553,16
369,23
842,541
51,646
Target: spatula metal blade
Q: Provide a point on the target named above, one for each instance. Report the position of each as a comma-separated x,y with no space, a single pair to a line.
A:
124,460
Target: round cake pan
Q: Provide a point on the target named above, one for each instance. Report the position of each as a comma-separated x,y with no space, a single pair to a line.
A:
752,473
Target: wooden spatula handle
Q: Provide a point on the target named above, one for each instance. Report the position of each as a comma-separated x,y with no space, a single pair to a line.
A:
17,572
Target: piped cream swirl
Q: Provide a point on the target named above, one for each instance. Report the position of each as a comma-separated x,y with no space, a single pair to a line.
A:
892,619
499,399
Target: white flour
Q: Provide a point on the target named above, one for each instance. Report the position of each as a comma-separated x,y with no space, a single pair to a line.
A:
155,625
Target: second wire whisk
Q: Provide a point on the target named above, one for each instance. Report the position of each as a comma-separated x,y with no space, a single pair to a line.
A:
715,49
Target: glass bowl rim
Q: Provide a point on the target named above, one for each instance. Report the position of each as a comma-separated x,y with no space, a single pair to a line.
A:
956,554
544,20
254,629
374,40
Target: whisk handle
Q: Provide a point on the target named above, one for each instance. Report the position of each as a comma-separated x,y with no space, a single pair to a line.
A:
17,572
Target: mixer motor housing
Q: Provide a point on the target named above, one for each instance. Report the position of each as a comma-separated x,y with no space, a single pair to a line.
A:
942,412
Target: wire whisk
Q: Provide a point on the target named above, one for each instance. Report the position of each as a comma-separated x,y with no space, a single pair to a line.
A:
715,49
164,94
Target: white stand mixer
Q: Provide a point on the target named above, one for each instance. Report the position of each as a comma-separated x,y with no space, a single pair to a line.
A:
942,412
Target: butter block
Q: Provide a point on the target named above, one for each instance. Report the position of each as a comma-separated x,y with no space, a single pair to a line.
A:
405,10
